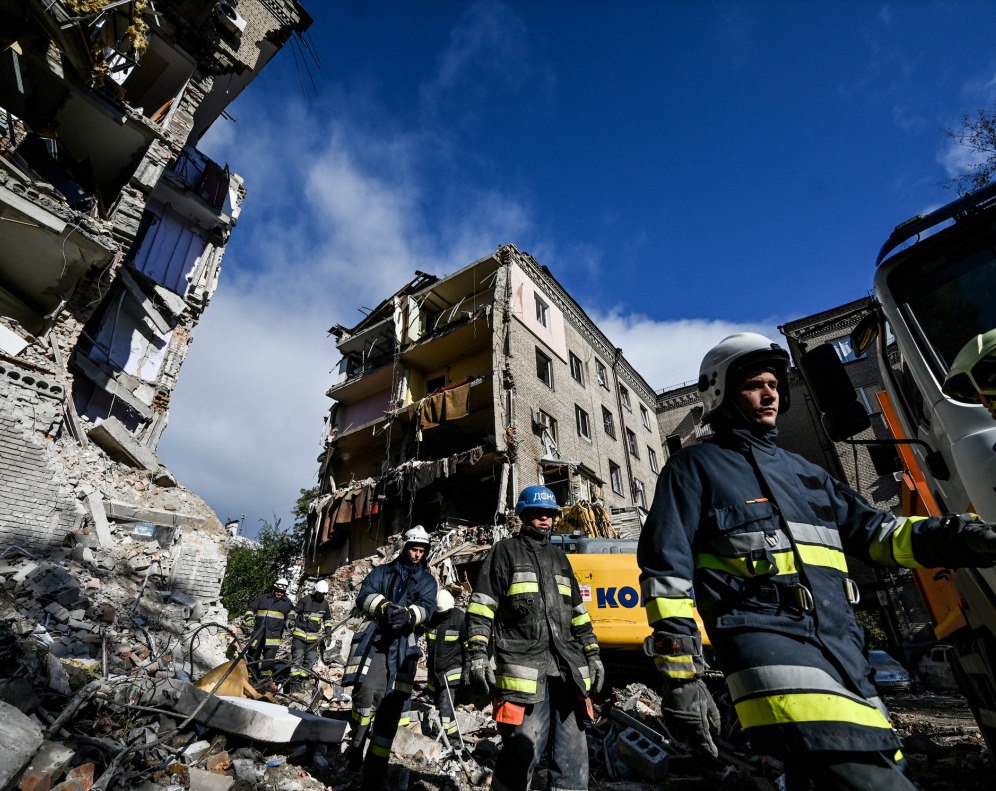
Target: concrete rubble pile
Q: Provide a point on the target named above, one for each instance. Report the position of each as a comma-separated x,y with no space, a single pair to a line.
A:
97,654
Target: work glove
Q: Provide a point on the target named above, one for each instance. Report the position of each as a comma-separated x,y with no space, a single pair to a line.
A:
977,539
398,617
328,634
291,622
480,675
596,671
691,713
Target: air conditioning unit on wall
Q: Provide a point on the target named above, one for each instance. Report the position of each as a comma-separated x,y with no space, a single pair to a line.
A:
231,19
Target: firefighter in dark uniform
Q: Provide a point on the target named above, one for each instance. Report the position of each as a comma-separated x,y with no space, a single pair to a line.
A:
762,534
272,611
398,598
313,625
445,635
545,651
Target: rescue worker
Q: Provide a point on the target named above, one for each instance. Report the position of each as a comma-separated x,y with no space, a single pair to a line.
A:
398,598
271,611
762,534
445,634
313,625
545,651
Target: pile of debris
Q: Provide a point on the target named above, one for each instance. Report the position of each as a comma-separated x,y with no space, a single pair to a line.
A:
97,655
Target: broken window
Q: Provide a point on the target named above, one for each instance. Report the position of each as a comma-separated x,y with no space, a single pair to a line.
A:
584,426
547,426
544,368
542,311
608,423
634,449
577,368
122,337
673,444
624,397
654,464
645,416
615,477
601,374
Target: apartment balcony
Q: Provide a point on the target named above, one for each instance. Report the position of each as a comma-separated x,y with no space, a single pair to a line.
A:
363,382
46,246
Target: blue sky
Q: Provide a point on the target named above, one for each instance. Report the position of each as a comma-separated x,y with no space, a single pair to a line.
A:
686,170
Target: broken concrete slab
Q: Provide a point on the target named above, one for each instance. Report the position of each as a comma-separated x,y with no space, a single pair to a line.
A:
21,737
95,503
126,512
111,436
202,780
48,763
257,719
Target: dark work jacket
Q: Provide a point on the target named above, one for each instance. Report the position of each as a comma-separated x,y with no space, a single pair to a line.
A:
762,534
273,613
526,594
313,617
445,641
415,590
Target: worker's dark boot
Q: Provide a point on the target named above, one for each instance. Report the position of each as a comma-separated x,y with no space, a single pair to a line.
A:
374,772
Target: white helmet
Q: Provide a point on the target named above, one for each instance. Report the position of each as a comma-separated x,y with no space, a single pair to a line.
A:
321,586
281,584
731,355
416,535
444,600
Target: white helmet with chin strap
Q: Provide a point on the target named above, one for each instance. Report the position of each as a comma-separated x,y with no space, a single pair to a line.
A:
733,355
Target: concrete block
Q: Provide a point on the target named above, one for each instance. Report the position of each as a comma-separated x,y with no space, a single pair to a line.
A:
48,763
192,753
410,743
126,512
95,503
647,758
21,737
201,780
115,440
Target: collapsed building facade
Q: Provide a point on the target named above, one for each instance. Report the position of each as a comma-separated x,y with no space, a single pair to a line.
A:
113,227
456,392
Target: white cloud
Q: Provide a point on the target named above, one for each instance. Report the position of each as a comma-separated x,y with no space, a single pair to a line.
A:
337,220
669,352
958,159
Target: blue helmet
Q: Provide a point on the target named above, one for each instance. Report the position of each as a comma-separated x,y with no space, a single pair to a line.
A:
537,498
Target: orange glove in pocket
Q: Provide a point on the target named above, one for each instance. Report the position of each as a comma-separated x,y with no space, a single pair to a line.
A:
509,713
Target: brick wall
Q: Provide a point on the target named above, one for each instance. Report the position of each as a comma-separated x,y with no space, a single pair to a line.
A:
36,510
567,393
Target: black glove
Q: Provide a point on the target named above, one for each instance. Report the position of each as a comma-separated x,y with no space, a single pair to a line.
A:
978,539
690,711
328,634
480,675
398,617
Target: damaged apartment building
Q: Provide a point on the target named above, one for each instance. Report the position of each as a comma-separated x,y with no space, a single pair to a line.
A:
456,392
112,231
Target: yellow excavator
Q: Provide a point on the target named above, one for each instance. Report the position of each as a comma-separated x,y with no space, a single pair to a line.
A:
609,579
